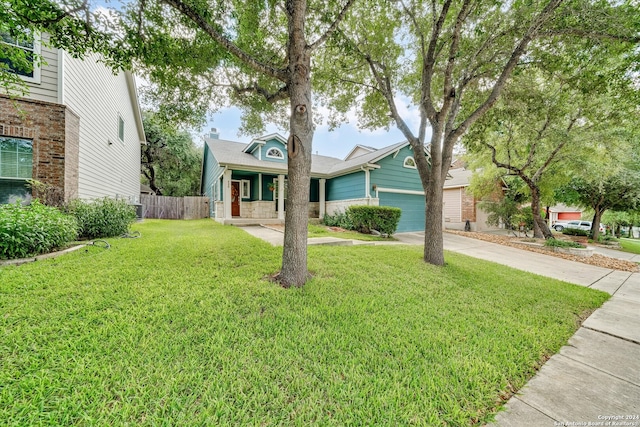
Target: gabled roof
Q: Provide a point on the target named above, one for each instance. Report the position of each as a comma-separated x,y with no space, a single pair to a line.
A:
459,177
359,147
238,155
230,153
263,139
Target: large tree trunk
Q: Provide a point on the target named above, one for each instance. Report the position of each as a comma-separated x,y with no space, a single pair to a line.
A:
595,225
433,242
540,227
294,257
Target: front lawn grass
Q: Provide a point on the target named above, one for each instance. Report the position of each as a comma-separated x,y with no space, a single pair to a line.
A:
320,230
180,327
630,245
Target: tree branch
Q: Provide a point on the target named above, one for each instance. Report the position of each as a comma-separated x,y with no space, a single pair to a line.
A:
243,56
590,35
281,94
449,93
332,29
428,66
519,50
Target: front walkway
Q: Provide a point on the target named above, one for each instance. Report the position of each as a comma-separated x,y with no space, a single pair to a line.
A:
595,378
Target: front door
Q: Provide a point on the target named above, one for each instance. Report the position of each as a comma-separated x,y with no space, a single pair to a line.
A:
235,198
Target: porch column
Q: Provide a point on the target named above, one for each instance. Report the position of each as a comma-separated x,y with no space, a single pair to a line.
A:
260,187
226,191
322,183
280,196
367,184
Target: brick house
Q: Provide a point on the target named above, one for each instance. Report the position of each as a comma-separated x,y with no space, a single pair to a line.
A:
460,205
78,129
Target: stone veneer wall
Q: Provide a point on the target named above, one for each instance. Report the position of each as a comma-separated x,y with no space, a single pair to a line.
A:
54,130
258,209
219,209
335,206
265,209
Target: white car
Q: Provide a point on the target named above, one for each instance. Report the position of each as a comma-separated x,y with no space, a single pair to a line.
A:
580,225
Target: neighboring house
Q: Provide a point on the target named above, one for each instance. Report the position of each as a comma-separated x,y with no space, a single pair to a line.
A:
562,212
459,205
146,190
79,129
249,181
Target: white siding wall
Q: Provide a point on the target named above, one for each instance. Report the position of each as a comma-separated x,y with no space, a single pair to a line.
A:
108,167
452,205
47,88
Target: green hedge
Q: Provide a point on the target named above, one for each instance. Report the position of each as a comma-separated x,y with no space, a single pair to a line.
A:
562,243
381,218
575,232
339,219
102,217
33,229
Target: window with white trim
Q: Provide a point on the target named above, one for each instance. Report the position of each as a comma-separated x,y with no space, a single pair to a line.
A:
25,62
16,165
275,153
120,128
245,185
409,162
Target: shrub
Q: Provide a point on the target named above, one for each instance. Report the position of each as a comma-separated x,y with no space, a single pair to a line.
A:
47,194
102,217
33,229
575,232
607,238
381,218
339,219
562,243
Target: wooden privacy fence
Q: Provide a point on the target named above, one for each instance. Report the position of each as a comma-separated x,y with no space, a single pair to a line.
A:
166,207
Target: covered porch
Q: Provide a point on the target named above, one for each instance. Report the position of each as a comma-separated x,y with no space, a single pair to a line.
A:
243,197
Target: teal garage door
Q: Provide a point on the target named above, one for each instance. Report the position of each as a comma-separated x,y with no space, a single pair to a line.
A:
412,205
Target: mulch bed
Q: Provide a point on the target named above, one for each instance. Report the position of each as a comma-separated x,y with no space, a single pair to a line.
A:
521,243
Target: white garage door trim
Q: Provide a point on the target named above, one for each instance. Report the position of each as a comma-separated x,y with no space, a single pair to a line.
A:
398,191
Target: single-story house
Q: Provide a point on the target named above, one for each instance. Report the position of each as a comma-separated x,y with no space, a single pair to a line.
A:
249,181
461,206
562,212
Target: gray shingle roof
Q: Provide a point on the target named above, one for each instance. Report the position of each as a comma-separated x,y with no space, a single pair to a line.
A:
458,178
231,153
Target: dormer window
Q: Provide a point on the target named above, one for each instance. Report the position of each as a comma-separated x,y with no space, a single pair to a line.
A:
409,162
275,153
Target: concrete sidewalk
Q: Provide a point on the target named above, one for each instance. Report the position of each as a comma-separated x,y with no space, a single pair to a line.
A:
276,238
595,378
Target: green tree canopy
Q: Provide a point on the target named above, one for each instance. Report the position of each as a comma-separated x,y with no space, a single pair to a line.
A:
450,60
556,116
171,163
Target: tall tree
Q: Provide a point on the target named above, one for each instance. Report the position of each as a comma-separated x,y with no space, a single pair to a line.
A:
202,54
451,61
170,161
558,115
620,192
